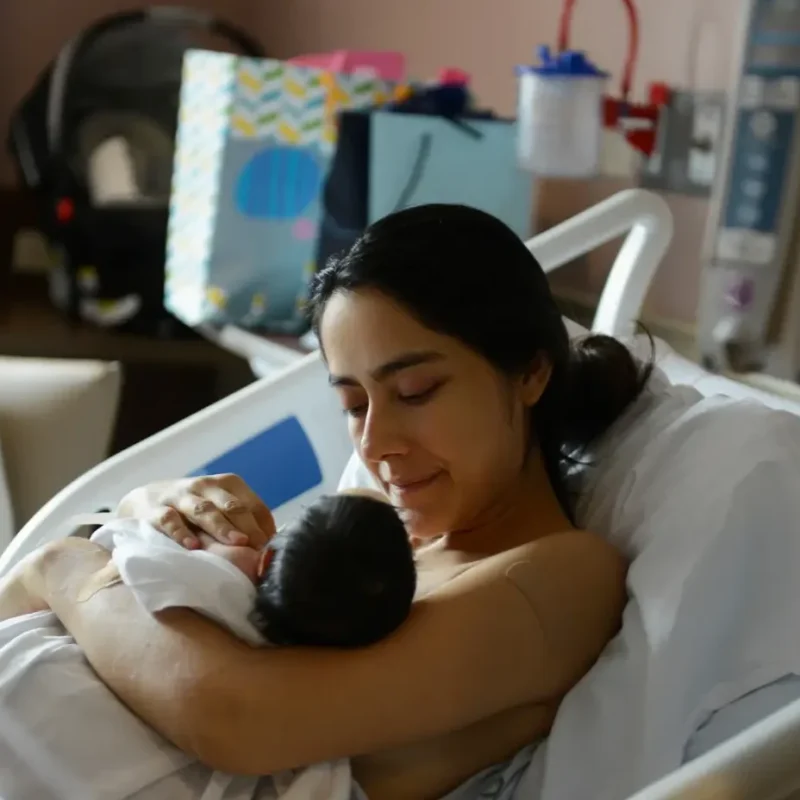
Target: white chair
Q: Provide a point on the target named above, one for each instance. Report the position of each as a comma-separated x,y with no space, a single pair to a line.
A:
56,421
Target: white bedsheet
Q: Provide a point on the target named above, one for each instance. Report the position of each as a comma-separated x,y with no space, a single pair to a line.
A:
63,734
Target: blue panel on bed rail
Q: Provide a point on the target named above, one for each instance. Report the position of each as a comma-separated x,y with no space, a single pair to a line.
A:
278,464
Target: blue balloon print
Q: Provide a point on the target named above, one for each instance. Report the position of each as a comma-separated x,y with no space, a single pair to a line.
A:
278,182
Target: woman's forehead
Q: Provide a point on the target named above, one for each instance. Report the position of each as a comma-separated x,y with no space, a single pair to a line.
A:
365,307
369,329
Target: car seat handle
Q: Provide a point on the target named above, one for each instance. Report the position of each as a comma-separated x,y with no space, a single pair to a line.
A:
161,15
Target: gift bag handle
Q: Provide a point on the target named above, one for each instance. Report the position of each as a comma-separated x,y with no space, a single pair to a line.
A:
417,171
423,156
633,40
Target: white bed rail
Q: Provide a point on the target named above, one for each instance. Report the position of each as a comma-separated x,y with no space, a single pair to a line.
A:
300,390
761,763
648,220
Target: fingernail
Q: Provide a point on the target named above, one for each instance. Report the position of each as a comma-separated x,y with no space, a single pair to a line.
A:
190,543
236,537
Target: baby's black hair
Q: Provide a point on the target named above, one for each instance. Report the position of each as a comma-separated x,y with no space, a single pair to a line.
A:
341,575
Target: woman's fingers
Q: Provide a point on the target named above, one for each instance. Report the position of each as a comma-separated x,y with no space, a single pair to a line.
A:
205,540
169,521
242,513
265,521
223,506
204,514
240,504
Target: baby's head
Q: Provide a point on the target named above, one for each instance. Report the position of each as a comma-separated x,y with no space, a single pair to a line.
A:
340,575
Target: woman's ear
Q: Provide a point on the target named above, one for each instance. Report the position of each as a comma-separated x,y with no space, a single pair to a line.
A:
535,380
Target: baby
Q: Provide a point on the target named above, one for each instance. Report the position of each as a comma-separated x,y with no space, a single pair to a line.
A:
342,575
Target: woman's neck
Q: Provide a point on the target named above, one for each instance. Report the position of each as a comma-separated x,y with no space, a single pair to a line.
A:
527,510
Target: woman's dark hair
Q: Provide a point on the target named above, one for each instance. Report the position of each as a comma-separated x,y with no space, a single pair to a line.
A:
465,274
342,575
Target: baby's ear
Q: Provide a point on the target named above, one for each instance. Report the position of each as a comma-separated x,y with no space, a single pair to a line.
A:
264,560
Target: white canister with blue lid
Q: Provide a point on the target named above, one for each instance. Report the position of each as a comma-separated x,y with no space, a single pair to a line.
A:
560,115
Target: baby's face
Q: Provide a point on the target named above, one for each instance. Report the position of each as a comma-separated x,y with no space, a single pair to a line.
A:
246,559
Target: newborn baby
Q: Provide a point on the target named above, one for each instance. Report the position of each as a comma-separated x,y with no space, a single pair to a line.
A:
340,575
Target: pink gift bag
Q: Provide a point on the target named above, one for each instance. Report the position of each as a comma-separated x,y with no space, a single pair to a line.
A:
386,65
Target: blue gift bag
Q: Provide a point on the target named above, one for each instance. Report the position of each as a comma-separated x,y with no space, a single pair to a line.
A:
417,159
254,142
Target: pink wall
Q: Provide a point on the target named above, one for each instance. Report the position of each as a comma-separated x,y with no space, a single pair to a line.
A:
685,42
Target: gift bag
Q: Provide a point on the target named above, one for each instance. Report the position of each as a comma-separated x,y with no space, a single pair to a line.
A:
417,159
386,161
254,143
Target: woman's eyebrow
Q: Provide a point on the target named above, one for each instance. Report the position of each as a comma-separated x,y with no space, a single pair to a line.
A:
381,373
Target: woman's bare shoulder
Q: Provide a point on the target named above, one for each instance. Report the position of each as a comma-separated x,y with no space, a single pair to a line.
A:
568,553
574,587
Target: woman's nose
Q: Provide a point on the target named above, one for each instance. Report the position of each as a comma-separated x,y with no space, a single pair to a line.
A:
382,435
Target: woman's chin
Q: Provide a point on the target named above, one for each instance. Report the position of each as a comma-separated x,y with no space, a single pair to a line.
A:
424,523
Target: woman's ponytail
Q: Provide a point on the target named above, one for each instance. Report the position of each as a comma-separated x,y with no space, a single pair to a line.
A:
594,382
603,378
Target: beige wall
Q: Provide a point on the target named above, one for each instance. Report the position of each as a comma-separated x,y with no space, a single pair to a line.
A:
488,37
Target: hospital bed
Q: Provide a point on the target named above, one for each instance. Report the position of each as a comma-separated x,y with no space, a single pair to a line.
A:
285,436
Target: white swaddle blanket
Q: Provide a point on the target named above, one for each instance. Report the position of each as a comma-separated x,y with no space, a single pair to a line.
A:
63,734
706,503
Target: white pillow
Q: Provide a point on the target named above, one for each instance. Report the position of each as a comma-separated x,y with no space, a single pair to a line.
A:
701,495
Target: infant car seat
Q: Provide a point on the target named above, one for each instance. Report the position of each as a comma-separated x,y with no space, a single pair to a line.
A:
94,140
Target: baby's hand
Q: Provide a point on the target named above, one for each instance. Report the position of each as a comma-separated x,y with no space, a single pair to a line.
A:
244,558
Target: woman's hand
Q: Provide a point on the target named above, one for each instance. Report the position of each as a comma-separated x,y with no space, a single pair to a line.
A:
223,506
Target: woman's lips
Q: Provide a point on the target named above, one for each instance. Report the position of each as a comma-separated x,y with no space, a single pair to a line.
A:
404,489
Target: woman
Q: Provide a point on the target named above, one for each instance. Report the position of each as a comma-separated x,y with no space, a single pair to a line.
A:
467,404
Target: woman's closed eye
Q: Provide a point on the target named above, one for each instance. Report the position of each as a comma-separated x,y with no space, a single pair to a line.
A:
357,410
418,398
354,401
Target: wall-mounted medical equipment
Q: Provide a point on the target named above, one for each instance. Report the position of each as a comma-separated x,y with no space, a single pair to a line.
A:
748,313
563,107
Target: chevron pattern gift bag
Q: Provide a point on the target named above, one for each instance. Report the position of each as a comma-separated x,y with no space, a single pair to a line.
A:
254,143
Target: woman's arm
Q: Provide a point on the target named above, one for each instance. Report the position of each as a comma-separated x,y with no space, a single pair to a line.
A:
520,628
15,598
